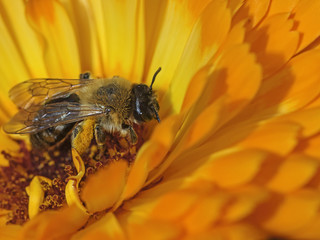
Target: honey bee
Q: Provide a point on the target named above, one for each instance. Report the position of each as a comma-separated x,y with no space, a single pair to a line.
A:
52,109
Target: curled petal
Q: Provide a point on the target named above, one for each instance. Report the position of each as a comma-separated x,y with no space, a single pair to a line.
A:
36,194
72,187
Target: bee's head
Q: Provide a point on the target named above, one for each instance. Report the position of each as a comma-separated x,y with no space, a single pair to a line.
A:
145,104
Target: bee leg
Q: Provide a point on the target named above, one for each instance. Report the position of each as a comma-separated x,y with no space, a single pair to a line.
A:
82,135
100,136
132,134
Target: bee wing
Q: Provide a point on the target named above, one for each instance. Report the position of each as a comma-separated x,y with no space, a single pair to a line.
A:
38,91
38,118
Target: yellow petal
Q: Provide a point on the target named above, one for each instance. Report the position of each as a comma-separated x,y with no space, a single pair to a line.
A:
36,194
121,37
8,145
61,48
208,40
105,187
177,22
25,37
72,186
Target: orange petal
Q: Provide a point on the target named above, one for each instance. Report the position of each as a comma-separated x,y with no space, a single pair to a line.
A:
240,231
236,35
151,155
294,173
302,89
295,211
107,227
289,89
308,119
203,125
306,13
147,201
282,6
104,188
232,168
267,137
255,10
138,227
10,232
54,224
310,230
311,146
274,42
230,88
240,78
4,216
204,213
244,201
174,205
61,48
140,169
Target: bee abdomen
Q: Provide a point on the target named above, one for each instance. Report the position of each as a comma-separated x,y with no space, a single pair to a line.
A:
51,136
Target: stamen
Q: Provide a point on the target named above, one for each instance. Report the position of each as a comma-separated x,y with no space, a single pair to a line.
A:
57,165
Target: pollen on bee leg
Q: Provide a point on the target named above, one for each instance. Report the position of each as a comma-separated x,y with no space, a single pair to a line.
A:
72,187
36,191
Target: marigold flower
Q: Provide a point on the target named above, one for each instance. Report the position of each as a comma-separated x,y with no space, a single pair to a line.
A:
236,155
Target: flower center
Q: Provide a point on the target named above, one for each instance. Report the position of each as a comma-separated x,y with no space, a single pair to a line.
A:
55,164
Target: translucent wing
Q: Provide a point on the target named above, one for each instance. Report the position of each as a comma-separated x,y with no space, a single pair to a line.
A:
37,118
38,91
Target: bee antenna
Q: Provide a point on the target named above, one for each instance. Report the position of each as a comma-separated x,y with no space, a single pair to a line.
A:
154,77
